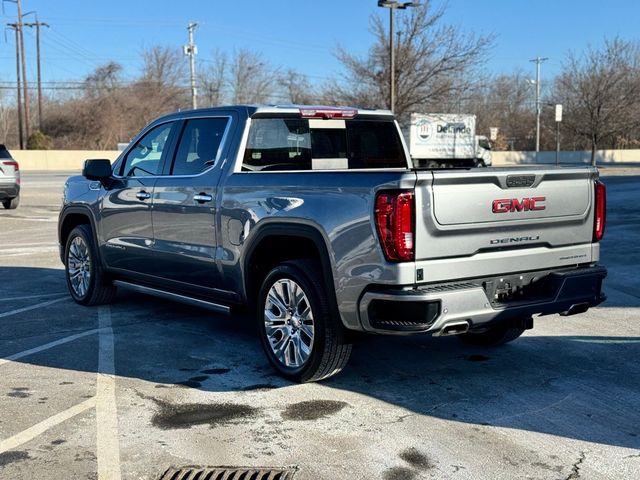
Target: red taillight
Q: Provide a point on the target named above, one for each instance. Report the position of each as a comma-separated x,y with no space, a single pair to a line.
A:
328,113
601,211
11,163
395,223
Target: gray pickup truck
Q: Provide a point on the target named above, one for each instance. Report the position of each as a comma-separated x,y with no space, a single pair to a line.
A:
314,219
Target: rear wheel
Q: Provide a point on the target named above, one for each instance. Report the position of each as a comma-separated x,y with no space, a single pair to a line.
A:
496,335
11,204
86,281
480,163
433,164
300,337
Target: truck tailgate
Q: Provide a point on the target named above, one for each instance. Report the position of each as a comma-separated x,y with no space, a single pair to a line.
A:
470,213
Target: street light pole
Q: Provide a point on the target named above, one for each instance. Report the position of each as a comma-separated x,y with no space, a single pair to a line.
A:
392,61
538,61
392,5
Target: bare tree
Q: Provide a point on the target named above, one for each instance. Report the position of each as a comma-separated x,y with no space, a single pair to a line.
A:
104,79
251,79
296,88
163,66
213,80
433,63
505,102
600,90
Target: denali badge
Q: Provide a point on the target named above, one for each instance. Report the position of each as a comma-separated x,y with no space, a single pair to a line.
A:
514,240
506,205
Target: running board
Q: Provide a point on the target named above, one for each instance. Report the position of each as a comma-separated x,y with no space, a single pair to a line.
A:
196,302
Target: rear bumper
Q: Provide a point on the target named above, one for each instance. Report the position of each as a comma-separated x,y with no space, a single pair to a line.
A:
9,190
433,307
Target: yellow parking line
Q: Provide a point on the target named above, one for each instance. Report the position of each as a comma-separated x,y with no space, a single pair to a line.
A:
108,445
39,428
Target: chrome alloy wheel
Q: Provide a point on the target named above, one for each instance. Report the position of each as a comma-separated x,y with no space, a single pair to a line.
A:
288,322
79,266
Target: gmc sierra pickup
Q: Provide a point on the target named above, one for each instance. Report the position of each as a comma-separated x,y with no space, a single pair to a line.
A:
315,219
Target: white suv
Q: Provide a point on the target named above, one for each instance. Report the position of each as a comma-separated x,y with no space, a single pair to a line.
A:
9,180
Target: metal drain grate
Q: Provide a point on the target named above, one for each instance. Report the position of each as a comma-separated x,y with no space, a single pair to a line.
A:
228,473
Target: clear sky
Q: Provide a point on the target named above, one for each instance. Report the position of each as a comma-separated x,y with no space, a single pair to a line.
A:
298,33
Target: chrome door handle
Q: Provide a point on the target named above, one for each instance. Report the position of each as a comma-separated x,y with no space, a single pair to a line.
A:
142,195
202,197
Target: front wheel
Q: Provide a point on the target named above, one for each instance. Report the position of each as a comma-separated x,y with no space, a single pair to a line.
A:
11,204
300,337
85,279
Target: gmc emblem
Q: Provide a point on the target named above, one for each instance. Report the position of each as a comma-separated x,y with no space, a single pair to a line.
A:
506,205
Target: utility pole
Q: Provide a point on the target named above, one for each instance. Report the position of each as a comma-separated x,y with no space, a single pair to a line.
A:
37,24
190,50
24,70
392,5
538,61
18,93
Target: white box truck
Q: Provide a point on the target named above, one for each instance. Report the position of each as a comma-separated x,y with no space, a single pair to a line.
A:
447,140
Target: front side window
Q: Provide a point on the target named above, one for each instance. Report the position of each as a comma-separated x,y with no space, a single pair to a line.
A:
145,158
199,145
302,144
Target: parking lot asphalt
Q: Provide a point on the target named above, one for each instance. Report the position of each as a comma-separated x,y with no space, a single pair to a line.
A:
131,389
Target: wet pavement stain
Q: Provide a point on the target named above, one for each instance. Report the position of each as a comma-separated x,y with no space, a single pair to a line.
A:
399,473
15,456
312,409
416,459
200,378
477,358
186,416
58,442
19,392
216,371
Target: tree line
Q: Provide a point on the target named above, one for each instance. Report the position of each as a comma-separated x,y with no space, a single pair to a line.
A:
439,69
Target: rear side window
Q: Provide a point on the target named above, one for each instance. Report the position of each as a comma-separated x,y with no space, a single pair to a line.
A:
314,144
278,144
199,145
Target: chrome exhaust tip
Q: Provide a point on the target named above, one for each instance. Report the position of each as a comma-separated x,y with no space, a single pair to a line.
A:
455,328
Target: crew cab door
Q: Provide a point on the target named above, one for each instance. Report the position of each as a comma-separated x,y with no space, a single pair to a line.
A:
125,226
185,204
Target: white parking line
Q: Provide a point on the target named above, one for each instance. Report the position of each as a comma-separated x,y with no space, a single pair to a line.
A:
31,307
20,251
47,346
108,446
39,428
30,297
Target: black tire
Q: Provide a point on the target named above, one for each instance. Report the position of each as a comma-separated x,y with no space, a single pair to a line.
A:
11,204
496,335
433,164
480,164
329,351
99,290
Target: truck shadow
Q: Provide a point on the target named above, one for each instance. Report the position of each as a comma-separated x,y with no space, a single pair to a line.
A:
574,386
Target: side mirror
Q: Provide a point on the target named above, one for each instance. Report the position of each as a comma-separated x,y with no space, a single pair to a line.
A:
99,169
